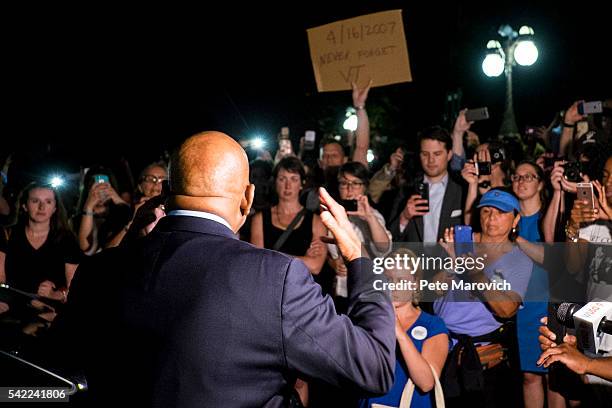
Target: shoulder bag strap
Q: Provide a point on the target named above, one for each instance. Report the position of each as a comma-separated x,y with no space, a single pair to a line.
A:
283,238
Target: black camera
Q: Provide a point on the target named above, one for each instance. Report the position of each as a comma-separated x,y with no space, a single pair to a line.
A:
498,153
572,170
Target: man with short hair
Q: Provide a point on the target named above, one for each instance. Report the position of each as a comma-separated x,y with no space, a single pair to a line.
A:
423,219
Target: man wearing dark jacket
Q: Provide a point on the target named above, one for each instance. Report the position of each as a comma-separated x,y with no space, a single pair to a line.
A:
423,219
190,316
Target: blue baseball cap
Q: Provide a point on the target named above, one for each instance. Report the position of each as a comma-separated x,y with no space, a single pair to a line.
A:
501,200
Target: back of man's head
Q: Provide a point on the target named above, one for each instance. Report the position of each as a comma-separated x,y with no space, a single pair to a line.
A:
210,172
208,164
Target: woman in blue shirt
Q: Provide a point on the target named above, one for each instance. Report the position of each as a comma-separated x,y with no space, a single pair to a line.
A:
528,185
423,340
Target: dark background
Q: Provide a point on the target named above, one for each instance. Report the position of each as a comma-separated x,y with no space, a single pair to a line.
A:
84,86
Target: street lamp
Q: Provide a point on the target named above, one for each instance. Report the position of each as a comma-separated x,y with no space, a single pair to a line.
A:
518,48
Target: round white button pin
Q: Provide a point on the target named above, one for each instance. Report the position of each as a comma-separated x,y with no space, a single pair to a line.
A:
419,333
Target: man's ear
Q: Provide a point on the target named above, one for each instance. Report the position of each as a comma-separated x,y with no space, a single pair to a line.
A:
247,200
449,155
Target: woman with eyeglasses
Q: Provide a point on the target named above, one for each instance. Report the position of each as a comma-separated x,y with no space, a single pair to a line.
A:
150,182
528,185
149,185
367,222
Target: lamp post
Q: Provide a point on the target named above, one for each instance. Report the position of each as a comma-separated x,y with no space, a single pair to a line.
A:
518,48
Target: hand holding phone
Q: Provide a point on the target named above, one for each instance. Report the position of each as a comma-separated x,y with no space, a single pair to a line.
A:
588,108
422,189
100,178
464,241
309,140
472,115
585,192
349,205
483,168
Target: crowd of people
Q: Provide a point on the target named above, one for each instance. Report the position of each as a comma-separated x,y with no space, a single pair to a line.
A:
484,347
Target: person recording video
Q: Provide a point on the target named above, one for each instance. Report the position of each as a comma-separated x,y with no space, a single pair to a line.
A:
568,354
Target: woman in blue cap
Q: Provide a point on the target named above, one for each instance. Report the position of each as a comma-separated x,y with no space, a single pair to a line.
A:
480,370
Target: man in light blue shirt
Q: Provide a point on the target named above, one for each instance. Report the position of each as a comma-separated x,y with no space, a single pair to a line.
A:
423,219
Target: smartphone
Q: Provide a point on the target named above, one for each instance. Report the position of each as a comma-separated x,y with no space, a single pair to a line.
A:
587,108
483,168
285,132
464,241
100,178
309,140
284,147
472,115
422,189
585,192
349,205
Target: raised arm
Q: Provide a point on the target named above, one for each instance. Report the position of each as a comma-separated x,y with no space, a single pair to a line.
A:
343,350
362,139
570,119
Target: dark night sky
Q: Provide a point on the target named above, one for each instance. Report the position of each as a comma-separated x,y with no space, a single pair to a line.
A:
92,84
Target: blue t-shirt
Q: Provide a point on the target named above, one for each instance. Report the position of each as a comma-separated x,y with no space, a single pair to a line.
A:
529,227
464,313
424,327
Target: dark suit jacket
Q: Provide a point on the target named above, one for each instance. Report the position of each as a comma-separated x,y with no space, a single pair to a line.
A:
451,214
190,316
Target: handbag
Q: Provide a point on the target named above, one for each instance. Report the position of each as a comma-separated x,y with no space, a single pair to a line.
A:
408,392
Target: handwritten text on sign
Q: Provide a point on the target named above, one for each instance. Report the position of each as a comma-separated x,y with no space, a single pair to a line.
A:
359,49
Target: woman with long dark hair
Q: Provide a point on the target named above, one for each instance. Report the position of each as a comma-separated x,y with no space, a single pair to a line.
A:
39,254
528,185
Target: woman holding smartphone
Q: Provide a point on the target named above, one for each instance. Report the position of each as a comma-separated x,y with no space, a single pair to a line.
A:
480,321
104,214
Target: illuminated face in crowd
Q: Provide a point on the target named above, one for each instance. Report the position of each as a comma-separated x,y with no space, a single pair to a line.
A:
151,182
496,223
333,156
525,182
607,180
288,185
434,157
350,186
41,205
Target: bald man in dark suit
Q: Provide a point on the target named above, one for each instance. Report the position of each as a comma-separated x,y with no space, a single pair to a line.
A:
189,316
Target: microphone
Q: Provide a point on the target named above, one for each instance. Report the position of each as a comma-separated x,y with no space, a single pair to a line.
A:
592,321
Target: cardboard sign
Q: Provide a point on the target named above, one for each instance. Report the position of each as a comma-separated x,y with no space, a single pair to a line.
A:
359,49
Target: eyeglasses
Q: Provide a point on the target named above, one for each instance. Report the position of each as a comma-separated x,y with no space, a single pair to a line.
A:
350,184
153,179
527,178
